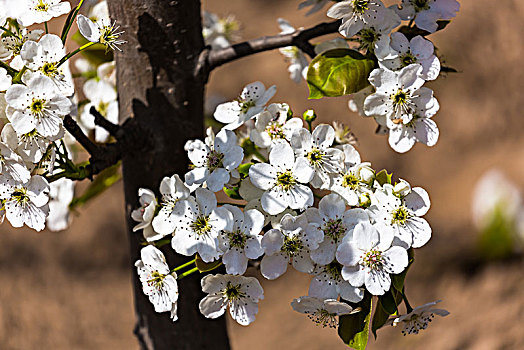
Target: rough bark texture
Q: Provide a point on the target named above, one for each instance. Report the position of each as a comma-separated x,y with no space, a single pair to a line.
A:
157,89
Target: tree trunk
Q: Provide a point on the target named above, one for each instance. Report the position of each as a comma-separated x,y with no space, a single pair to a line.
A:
157,89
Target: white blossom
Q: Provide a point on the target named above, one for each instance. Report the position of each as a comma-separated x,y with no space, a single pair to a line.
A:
298,63
62,192
284,180
100,31
37,106
11,45
427,12
5,79
26,203
243,241
292,243
219,32
173,192
329,284
405,52
215,161
158,282
103,97
403,213
374,37
355,14
314,150
272,126
198,227
323,312
39,11
419,318
145,214
12,165
241,294
369,258
252,101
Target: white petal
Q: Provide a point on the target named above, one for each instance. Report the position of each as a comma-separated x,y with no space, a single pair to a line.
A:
273,266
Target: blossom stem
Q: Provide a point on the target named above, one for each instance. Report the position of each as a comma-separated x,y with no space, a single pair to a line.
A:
71,54
69,21
17,79
46,29
187,273
10,70
184,265
7,31
406,302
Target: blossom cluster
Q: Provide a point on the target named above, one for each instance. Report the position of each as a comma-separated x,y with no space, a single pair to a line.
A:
402,107
37,91
351,240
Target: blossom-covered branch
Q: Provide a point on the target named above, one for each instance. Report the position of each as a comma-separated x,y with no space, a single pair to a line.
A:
299,38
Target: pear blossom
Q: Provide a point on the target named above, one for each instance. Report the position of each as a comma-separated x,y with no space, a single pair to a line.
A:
355,14
215,161
291,243
145,214
12,165
43,57
103,97
26,203
369,258
11,45
335,222
100,31
298,62
241,294
219,32
284,180
314,150
316,5
272,126
99,11
158,282
243,242
198,227
405,52
419,318
329,284
323,312
37,106
251,102
173,192
399,96
5,79
403,213
374,37
354,179
427,12
39,11
62,192
343,134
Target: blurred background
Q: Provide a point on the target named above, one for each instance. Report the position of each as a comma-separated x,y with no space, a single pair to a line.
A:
72,289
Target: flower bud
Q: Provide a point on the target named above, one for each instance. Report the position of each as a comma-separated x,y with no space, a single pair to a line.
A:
402,188
366,173
309,116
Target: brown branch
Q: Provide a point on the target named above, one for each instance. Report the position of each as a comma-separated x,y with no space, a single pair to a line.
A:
105,124
300,38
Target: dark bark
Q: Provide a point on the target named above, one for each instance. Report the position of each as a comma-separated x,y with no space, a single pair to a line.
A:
157,89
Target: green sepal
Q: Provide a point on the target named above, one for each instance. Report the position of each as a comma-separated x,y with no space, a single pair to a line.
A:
382,177
354,329
204,266
243,169
338,72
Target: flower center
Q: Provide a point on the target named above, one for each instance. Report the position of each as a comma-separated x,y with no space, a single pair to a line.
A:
315,157
334,229
286,180
274,130
373,259
416,323
367,38
157,280
360,6
20,196
29,135
401,104
407,59
420,5
201,225
37,106
334,270
41,6
350,181
400,216
325,319
246,105
214,160
237,239
292,245
102,108
233,292
49,69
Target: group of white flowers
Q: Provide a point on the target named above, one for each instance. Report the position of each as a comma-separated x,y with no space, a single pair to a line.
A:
37,91
351,241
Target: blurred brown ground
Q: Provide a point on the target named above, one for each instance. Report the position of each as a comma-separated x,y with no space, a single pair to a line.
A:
72,290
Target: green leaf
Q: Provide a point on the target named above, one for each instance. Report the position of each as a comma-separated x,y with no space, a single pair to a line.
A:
398,280
380,317
233,193
387,305
204,266
354,329
411,32
383,177
338,72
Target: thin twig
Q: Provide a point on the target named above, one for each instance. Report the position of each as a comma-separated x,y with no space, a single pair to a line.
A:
74,129
102,122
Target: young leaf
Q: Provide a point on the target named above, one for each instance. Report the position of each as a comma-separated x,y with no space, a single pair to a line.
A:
380,317
383,177
354,329
338,72
204,266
